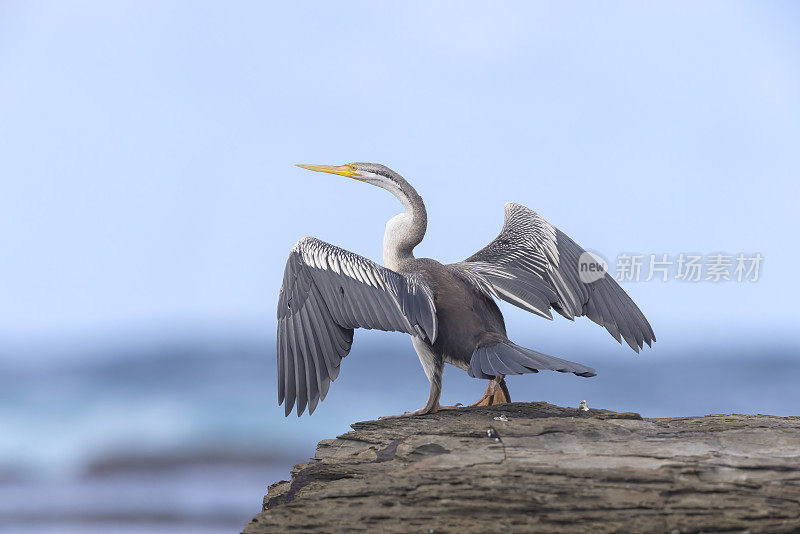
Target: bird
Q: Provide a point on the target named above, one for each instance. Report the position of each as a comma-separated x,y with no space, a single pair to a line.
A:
449,310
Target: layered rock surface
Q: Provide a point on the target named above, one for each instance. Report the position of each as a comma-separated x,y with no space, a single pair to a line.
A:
535,467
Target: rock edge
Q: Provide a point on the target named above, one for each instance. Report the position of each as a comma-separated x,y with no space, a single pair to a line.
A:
546,468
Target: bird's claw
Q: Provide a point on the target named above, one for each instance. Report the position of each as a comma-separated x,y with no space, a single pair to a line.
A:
421,411
496,393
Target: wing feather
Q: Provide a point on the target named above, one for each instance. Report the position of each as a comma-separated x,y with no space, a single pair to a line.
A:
327,292
281,367
535,266
299,368
289,369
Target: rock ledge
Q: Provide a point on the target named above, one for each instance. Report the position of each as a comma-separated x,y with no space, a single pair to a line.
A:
546,469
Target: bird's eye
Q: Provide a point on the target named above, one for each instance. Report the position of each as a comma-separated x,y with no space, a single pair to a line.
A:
352,167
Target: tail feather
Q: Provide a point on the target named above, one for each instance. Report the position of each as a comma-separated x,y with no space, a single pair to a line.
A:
506,358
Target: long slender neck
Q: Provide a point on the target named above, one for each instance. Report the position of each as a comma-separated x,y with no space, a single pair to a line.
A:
405,230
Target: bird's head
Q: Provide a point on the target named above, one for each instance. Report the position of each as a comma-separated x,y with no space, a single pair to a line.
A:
371,173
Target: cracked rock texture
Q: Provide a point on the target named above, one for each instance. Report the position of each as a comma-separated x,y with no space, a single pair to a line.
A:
546,469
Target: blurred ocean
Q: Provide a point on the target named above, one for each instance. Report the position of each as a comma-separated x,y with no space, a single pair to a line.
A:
186,436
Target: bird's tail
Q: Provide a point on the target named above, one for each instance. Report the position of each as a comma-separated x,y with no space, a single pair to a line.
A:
506,358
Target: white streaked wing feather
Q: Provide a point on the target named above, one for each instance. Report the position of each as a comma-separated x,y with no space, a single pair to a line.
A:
328,291
543,266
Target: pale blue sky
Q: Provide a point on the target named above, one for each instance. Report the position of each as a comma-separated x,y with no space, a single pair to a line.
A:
147,149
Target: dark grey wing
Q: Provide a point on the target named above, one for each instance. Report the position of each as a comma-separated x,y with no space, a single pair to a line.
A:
326,293
535,266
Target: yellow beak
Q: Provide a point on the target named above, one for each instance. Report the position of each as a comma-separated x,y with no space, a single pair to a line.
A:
348,170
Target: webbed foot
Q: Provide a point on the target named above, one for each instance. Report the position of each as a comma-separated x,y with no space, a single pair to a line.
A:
422,411
496,393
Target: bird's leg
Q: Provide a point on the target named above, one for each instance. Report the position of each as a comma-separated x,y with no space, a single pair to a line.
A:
432,406
496,393
434,367
506,396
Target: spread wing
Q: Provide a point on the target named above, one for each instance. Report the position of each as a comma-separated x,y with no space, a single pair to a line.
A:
326,293
535,266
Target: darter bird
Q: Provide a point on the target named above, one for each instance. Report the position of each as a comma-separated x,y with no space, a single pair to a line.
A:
449,310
